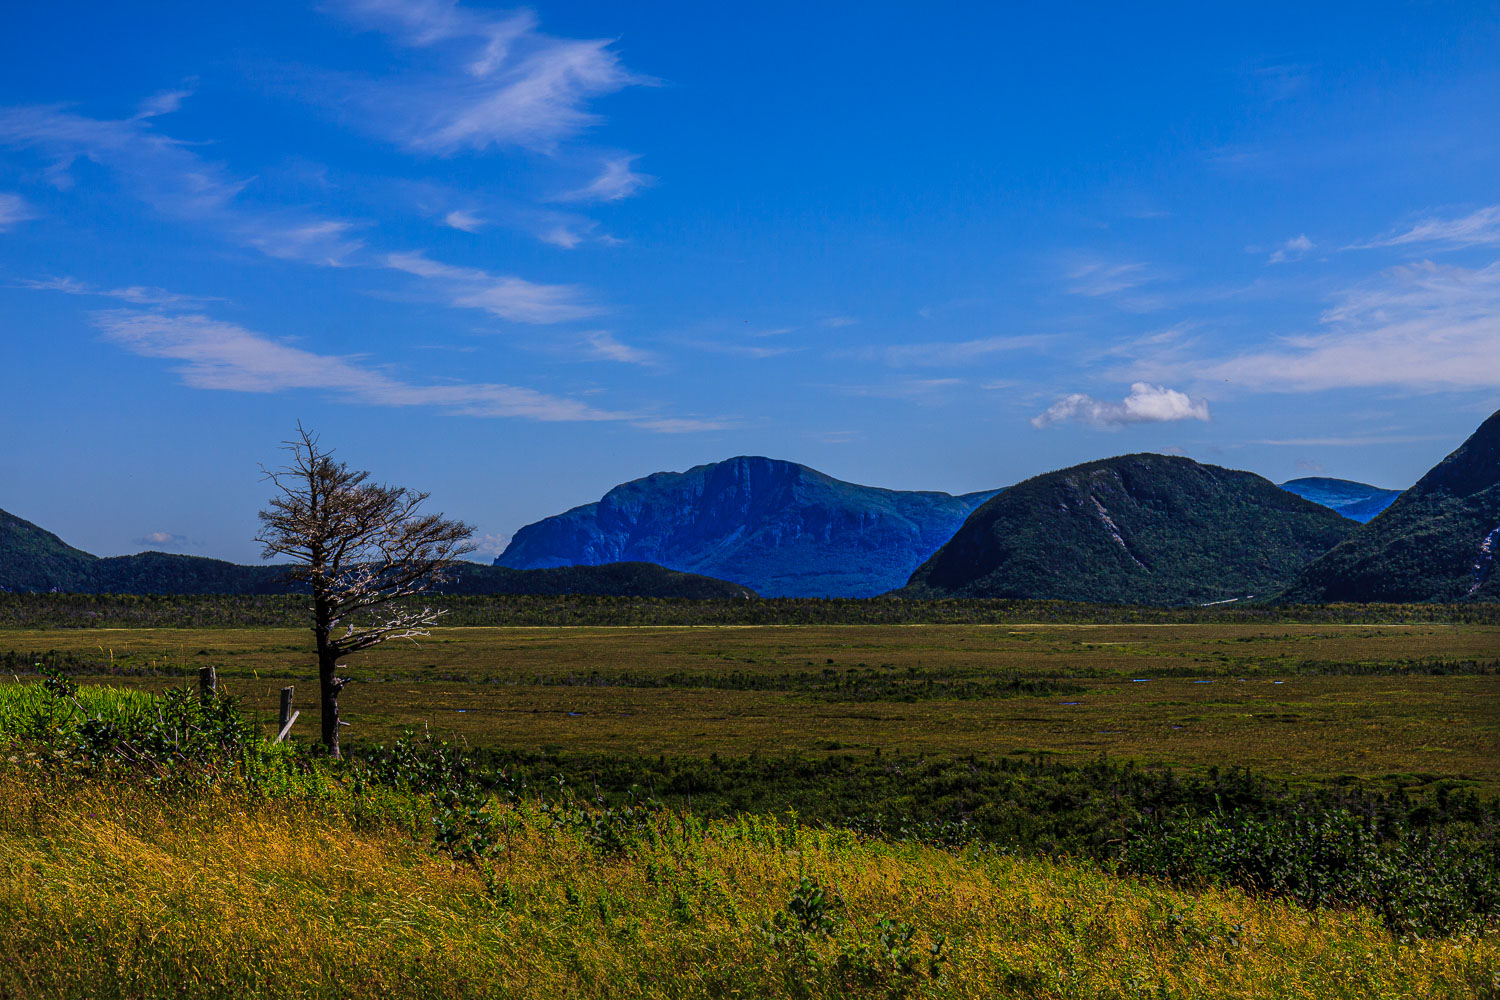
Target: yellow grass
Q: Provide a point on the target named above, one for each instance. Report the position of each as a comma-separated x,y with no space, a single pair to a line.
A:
126,892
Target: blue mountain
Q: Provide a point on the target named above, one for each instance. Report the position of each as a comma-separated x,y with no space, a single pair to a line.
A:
1356,501
780,528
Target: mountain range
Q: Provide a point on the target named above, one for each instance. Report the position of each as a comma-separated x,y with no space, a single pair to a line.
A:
1147,529
783,529
1436,542
33,559
1150,529
1356,501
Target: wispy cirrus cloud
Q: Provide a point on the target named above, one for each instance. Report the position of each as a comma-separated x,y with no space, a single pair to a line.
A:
173,179
212,354
1297,247
505,296
13,209
1479,228
464,220
616,180
1146,404
956,352
497,80
1356,441
1420,327
1096,278
601,345
141,295
915,390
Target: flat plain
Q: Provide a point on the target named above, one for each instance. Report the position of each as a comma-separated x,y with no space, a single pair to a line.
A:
1409,703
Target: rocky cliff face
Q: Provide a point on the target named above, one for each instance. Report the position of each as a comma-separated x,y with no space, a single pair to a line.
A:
1137,529
1435,543
783,529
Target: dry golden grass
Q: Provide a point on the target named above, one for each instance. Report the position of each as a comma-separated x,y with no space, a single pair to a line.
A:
122,892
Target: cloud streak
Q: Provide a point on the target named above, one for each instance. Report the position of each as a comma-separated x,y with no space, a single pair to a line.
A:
1420,327
174,180
947,353
499,81
615,181
1146,404
505,296
13,209
212,354
140,295
1478,228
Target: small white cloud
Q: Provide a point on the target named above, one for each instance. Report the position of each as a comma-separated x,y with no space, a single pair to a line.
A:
13,209
163,539
490,545
615,181
1146,404
506,296
464,220
165,102
1478,228
604,346
835,322
1294,248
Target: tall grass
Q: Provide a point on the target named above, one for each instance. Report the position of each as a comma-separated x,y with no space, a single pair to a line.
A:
160,848
134,892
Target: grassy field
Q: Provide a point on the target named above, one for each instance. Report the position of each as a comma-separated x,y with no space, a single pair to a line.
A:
1417,702
109,892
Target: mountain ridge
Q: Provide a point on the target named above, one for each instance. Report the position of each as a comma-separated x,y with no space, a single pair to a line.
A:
1436,542
781,528
1132,529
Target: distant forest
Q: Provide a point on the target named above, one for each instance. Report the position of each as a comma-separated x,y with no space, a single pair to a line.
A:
290,611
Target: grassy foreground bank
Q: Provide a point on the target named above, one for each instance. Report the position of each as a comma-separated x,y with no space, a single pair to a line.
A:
125,890
154,846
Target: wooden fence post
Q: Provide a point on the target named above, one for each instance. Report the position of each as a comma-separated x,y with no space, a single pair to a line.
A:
208,684
287,717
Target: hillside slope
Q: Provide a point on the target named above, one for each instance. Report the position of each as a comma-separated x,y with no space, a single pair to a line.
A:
1142,529
1437,542
33,559
780,528
1356,501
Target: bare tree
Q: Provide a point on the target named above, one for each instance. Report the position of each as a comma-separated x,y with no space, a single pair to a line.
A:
361,548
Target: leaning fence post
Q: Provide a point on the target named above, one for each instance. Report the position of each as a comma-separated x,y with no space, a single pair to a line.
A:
285,718
208,684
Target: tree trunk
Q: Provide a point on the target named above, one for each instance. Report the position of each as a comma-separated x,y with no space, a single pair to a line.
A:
329,687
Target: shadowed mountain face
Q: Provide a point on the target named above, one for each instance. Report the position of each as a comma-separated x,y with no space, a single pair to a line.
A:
778,527
32,559
1146,529
1356,501
1437,542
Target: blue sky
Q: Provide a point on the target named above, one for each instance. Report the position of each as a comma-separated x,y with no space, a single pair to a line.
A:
514,256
